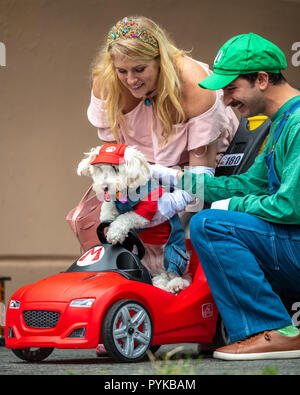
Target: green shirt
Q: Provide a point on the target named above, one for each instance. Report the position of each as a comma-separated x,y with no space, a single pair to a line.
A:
249,192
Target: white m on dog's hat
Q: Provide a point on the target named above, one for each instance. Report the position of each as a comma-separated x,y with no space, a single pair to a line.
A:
111,153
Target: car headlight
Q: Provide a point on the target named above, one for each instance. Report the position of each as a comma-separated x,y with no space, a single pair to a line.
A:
14,304
82,302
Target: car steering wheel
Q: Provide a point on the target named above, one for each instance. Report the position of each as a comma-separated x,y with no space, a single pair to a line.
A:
131,240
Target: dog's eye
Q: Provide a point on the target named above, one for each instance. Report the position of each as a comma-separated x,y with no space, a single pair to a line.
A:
116,168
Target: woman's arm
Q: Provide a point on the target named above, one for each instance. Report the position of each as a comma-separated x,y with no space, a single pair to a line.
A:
195,102
204,156
95,88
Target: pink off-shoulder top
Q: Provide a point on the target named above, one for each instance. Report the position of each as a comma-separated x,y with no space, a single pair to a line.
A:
144,130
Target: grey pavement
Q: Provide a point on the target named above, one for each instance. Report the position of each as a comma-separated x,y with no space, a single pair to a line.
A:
185,361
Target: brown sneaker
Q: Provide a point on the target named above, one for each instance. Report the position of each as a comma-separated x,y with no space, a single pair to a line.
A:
266,345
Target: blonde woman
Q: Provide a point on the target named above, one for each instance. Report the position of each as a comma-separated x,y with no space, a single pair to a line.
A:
145,93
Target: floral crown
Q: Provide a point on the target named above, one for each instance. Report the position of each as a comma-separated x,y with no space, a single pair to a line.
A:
129,28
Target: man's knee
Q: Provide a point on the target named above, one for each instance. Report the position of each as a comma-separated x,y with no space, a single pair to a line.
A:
197,225
206,221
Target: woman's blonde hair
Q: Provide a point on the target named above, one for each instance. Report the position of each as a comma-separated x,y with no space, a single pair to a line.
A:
168,86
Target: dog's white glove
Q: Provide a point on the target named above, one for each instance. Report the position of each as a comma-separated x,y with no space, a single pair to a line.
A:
220,204
165,175
171,203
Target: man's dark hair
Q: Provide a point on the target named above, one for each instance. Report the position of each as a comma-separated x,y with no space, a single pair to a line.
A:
274,78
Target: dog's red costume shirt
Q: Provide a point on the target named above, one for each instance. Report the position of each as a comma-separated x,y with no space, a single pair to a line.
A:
147,208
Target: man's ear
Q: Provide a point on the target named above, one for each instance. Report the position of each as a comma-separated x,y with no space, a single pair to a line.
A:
262,80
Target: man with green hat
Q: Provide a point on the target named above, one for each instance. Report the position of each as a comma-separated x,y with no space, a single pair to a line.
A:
249,241
244,54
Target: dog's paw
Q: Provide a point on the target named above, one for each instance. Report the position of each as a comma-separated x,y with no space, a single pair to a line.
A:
108,212
177,284
106,217
114,236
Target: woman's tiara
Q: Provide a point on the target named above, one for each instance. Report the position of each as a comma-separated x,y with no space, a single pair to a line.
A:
129,28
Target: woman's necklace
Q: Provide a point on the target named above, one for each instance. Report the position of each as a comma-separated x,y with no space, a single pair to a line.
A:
150,95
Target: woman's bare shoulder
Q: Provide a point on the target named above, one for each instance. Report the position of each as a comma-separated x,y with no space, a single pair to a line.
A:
195,100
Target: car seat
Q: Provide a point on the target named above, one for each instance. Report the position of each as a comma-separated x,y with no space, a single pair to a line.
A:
246,144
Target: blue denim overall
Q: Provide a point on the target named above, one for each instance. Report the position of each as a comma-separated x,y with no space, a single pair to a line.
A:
249,262
274,182
175,257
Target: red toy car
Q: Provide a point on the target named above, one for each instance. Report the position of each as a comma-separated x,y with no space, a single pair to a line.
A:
107,297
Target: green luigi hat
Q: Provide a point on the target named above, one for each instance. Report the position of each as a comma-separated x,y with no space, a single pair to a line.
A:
243,54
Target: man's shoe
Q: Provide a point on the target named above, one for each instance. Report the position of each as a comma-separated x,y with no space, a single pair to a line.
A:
266,345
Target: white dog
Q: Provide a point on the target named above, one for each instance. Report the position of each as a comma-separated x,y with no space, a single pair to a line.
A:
122,178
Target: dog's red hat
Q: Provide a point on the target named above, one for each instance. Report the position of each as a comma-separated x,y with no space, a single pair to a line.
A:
111,153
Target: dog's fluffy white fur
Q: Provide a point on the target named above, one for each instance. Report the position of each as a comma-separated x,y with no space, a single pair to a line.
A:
108,178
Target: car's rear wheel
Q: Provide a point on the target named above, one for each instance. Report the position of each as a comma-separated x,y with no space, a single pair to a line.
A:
32,354
127,331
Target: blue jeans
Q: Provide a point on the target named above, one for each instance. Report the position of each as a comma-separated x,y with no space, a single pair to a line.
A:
247,263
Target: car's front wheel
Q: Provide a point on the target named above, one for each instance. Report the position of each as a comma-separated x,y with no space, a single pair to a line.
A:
127,331
32,354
